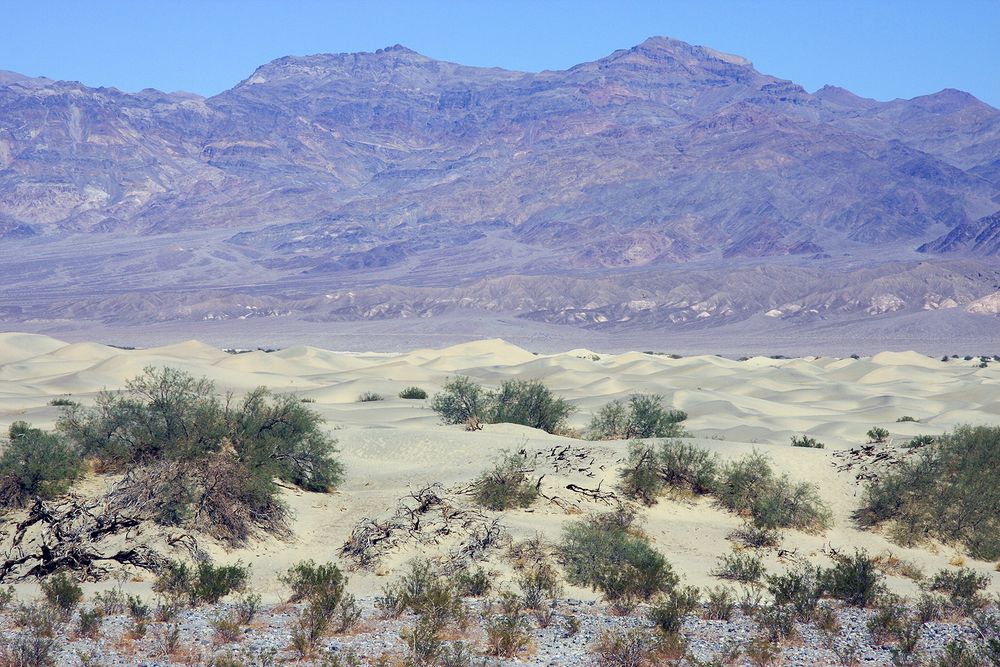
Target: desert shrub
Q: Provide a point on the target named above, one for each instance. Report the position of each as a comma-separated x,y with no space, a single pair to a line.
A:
196,459
855,579
798,588
35,463
227,628
643,416
203,584
777,622
62,402
28,651
90,622
963,588
719,604
461,401
323,588
309,581
633,647
413,393
877,434
62,593
686,466
609,555
508,632
42,620
745,568
806,441
424,590
906,418
888,619
370,397
246,608
946,490
473,583
749,486
530,403
641,478
929,607
755,537
507,484
919,441
668,611
787,504
6,597
539,584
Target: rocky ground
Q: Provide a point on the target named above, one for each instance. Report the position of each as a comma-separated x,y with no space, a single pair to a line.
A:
192,638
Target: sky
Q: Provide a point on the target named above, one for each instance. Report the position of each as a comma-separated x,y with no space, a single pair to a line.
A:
876,48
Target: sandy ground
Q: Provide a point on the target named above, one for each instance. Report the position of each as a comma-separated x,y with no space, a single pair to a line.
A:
392,446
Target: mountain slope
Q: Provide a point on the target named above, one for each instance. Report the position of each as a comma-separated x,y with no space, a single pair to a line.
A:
441,185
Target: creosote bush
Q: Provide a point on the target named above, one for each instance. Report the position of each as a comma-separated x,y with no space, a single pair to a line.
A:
370,397
35,463
609,554
806,441
205,583
323,588
945,490
507,484
526,402
201,459
62,592
878,435
642,416
413,393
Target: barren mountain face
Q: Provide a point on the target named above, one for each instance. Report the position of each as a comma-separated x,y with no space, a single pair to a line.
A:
664,191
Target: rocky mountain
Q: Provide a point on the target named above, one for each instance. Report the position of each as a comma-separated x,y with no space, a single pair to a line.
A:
666,187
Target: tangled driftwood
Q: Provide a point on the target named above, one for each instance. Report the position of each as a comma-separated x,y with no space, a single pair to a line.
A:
426,516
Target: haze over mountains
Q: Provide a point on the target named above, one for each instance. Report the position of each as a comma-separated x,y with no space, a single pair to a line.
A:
667,193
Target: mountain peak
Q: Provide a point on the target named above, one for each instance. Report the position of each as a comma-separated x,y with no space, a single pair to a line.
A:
668,45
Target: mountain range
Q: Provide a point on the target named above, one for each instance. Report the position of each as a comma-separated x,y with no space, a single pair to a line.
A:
666,192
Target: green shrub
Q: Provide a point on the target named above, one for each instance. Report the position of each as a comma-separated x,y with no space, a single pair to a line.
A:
946,490
806,441
413,393
35,463
777,623
719,604
309,581
62,402
62,593
745,568
473,583
906,418
539,585
530,403
323,588
877,435
508,632
370,397
919,441
506,485
204,584
641,478
90,623
685,466
668,611
855,579
461,401
755,537
963,588
425,591
799,588
644,416
28,651
636,647
749,486
607,554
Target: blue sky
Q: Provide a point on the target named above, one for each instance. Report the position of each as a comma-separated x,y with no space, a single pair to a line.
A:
877,48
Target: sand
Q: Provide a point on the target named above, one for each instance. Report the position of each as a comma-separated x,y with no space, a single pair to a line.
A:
392,446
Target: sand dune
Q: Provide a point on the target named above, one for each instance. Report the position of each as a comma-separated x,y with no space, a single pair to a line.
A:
394,445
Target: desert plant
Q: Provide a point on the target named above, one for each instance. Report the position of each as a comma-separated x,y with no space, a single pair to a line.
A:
6,597
643,416
370,397
89,622
608,554
204,584
963,588
742,567
945,490
246,608
668,611
919,441
799,588
777,622
506,485
539,584
413,393
749,486
719,604
507,633
685,466
227,628
62,593
887,620
62,402
35,463
530,403
461,401
755,537
855,579
641,479
806,441
626,648
473,583
906,418
28,651
878,435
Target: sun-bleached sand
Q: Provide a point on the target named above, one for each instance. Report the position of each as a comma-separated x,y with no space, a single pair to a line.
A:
393,446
